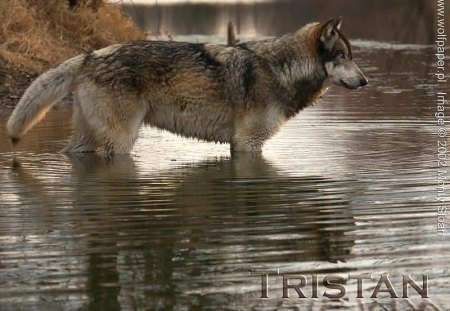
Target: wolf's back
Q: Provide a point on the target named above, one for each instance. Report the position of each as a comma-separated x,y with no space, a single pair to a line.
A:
41,95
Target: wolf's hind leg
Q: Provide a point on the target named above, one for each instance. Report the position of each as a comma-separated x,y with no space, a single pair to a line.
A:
83,139
109,120
80,143
119,136
119,141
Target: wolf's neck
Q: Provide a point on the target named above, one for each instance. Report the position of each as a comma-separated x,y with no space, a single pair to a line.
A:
294,62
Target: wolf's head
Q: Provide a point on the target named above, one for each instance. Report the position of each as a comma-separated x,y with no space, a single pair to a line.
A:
335,53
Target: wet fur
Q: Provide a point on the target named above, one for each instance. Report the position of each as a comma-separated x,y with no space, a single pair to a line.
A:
240,95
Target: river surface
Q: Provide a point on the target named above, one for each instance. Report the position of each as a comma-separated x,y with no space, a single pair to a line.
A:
346,187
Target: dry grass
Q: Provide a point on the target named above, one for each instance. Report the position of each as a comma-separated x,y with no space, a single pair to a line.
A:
36,34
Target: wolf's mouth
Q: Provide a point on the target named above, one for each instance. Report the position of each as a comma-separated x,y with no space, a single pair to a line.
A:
348,86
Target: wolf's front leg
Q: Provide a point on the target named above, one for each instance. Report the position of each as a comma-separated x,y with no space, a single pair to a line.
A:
246,146
253,128
249,140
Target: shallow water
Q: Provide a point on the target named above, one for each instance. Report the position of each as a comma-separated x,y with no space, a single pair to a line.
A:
347,186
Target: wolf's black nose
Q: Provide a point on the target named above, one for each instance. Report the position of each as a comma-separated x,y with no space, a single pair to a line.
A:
363,81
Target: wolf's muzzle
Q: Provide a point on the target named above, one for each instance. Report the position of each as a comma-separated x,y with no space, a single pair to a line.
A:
363,81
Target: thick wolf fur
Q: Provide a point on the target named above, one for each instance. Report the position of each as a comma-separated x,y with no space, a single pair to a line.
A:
239,95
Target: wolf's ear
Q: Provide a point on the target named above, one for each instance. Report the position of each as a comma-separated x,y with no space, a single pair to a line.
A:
338,22
328,32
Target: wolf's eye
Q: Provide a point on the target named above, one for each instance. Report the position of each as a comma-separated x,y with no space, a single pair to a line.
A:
342,56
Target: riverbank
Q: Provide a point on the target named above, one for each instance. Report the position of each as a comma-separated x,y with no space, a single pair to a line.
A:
37,35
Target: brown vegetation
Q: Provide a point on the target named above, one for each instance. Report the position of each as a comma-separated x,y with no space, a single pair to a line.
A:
36,35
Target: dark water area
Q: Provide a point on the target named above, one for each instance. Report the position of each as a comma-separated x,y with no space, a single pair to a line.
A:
401,21
346,187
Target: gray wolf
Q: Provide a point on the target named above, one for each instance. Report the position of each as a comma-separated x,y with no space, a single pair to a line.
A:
239,94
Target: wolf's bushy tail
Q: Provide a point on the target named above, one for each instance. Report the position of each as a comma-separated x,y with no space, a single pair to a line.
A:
41,95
